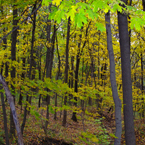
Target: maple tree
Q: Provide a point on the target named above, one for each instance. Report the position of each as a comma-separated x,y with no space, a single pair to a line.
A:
62,58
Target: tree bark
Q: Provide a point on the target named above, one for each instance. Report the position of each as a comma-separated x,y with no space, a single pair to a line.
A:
10,99
48,67
142,87
13,58
71,79
23,70
57,77
126,78
32,64
5,118
15,29
116,99
39,68
2,95
66,70
49,70
74,118
142,76
79,53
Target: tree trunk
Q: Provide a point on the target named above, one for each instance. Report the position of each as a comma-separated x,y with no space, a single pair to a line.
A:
57,77
49,70
71,79
32,64
13,57
66,69
5,118
116,99
33,54
79,53
13,110
23,73
39,68
4,44
142,78
142,88
23,77
74,118
2,95
126,78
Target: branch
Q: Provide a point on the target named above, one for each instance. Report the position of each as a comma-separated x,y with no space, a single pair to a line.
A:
20,23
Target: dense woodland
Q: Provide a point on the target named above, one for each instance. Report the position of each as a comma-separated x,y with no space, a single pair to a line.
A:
75,72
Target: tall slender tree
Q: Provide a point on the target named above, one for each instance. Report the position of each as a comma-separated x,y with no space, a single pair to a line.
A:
31,74
142,69
48,63
116,99
13,58
126,78
66,69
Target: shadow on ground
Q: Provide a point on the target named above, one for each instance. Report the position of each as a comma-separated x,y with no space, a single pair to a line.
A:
51,141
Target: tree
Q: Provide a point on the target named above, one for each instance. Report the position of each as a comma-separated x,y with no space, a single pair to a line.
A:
116,99
13,110
13,57
73,62
126,78
66,69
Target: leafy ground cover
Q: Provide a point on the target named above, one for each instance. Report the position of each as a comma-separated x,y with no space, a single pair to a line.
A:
89,131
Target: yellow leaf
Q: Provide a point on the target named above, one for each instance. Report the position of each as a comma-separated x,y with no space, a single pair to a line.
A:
94,139
57,2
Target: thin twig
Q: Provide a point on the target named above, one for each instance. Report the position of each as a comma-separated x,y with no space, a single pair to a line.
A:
20,23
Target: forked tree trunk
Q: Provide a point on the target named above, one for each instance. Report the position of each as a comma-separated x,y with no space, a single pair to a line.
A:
116,99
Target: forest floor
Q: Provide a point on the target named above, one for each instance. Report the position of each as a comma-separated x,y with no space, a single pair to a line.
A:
85,132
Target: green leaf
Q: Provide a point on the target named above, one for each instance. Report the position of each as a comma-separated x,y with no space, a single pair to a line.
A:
52,14
116,7
36,114
80,19
90,14
112,135
137,23
100,27
72,13
51,110
59,16
46,2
